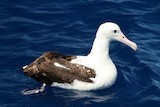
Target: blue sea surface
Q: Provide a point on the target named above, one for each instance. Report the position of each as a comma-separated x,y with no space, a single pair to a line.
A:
28,28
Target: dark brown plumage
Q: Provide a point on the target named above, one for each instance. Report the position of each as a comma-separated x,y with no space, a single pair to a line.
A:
45,70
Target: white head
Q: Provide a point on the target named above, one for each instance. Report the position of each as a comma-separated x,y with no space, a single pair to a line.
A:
111,31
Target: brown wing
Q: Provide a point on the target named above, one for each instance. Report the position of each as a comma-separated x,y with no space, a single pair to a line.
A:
44,69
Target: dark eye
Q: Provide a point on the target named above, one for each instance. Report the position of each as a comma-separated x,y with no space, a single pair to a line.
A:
115,31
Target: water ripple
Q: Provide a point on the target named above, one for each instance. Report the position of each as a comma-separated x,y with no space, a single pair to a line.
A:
29,28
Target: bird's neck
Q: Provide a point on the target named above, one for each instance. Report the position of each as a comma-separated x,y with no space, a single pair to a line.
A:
100,48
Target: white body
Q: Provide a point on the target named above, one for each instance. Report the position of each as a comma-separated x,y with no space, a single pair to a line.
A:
99,60
106,74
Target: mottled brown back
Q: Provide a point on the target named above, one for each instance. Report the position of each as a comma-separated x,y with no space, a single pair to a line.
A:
44,70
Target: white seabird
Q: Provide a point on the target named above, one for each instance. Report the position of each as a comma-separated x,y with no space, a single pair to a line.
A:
91,72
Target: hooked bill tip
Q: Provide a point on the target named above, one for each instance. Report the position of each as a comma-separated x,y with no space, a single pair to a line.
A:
134,46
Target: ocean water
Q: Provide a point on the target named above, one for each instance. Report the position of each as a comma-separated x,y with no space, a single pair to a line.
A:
28,28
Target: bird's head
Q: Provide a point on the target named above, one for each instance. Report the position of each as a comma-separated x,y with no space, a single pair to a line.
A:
111,31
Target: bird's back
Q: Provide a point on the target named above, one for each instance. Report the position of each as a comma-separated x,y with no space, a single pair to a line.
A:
54,67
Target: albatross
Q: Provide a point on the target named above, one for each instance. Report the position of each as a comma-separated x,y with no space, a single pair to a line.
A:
91,72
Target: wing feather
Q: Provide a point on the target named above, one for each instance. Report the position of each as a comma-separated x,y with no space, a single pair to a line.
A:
44,69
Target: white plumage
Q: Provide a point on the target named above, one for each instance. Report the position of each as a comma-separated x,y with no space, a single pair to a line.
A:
99,60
